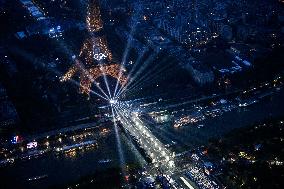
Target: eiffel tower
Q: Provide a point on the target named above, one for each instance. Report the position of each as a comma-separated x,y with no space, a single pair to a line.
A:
94,51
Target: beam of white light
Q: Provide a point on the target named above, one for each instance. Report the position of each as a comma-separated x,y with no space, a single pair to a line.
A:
118,143
81,66
137,62
31,58
150,143
121,68
141,69
91,91
104,75
149,76
127,49
64,49
133,147
105,80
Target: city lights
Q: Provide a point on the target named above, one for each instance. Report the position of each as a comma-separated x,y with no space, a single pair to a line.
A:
168,94
113,101
93,51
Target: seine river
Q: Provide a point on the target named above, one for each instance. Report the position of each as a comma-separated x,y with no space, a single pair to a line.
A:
62,169
190,136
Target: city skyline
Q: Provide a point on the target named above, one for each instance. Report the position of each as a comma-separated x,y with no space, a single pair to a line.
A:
141,94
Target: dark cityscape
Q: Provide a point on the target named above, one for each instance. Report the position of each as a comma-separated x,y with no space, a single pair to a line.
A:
138,94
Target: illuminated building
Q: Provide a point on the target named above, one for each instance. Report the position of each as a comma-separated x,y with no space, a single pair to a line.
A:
87,77
94,21
95,55
95,48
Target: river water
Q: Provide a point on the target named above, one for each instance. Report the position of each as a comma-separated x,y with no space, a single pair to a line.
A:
62,169
190,136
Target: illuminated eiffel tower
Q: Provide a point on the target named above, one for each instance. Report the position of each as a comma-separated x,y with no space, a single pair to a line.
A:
94,50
